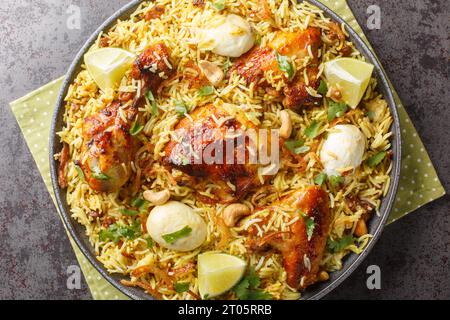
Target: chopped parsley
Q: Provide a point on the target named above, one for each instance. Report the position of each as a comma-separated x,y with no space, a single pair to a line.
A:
338,245
286,66
206,91
336,110
151,98
320,179
296,146
313,130
248,288
181,287
173,237
116,232
136,128
336,180
323,88
376,159
181,108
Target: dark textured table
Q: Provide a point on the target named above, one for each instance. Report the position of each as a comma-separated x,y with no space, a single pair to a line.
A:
37,46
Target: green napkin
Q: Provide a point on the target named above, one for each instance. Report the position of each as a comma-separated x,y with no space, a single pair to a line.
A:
419,182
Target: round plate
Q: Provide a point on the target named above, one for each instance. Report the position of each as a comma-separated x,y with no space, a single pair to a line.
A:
350,263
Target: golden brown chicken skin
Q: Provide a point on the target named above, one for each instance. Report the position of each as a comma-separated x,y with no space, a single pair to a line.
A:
254,65
153,67
108,148
192,151
302,252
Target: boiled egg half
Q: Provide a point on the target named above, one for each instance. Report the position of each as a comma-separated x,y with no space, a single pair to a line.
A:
343,150
176,226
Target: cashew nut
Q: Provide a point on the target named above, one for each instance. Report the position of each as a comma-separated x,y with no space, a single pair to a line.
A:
361,228
286,124
157,198
212,72
234,212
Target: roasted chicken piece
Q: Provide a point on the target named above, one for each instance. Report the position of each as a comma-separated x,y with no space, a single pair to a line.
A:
200,149
153,67
108,148
296,46
303,247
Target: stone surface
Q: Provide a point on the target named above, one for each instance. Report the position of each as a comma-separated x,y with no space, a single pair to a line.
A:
37,46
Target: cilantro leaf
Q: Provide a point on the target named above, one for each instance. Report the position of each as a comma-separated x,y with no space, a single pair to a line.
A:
173,237
150,242
181,287
116,232
286,66
313,130
98,174
80,173
206,91
181,108
370,115
336,180
151,98
323,88
376,159
219,5
310,226
336,110
248,288
338,245
296,146
128,212
320,179
136,128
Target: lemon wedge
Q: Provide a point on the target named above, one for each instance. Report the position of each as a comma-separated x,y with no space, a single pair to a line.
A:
218,273
351,77
107,66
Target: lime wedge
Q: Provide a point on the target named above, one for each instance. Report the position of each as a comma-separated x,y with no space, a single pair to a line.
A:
218,273
107,66
350,76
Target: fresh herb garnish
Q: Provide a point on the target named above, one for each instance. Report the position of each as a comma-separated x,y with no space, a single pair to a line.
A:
336,180
338,245
258,39
128,212
286,66
150,242
173,237
137,202
323,88
136,128
313,130
219,5
181,108
181,287
98,174
376,159
296,146
336,110
227,65
151,98
80,173
310,226
248,288
206,91
320,179
116,232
